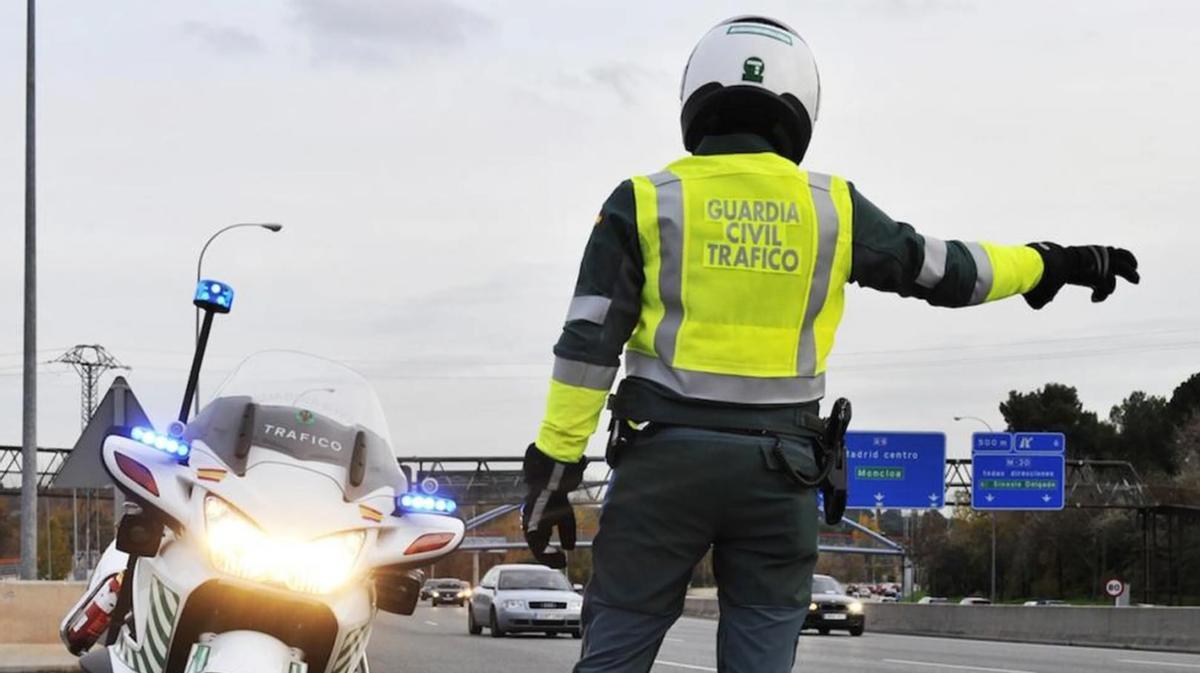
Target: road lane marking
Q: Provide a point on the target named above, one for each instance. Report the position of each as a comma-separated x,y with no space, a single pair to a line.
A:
1147,662
660,662
958,666
674,640
431,623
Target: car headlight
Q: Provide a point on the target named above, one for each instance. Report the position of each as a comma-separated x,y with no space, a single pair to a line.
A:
812,607
514,605
464,594
435,594
855,608
574,605
238,547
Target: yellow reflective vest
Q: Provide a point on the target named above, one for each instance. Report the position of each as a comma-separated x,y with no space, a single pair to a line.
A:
746,262
744,259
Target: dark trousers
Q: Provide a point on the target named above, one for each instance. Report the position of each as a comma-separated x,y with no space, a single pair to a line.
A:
676,493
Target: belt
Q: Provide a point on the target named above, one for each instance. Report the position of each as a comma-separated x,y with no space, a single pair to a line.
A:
643,401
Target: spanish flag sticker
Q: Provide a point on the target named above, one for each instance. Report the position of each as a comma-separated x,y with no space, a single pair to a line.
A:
370,513
211,473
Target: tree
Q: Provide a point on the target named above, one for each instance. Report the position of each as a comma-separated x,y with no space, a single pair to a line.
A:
8,531
1144,426
1185,446
54,554
1055,407
1185,399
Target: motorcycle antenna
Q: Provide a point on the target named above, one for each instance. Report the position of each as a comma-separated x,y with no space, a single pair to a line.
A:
212,297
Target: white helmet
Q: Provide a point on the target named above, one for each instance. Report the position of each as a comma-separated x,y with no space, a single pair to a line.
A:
754,74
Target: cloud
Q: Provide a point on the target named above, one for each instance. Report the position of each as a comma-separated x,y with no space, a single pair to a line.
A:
224,39
629,82
624,79
375,32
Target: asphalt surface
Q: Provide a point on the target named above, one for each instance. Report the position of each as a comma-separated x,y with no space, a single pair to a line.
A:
435,640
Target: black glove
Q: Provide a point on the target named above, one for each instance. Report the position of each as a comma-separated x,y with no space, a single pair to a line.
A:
1094,266
546,505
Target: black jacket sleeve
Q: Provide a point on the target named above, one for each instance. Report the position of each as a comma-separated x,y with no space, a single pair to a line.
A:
891,256
602,316
607,300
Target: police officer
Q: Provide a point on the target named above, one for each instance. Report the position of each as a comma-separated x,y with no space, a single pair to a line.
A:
722,279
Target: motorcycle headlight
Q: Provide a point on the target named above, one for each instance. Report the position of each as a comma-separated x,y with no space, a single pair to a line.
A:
238,547
855,608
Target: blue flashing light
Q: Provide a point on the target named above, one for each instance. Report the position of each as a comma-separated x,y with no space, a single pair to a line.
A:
171,445
427,504
214,296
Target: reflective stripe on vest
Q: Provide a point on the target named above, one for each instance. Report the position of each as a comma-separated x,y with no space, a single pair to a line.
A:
734,352
669,198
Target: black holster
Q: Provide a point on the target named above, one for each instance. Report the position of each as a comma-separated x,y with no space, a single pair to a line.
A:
833,453
620,437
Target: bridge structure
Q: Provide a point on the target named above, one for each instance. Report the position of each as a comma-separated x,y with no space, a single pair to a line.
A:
491,487
494,485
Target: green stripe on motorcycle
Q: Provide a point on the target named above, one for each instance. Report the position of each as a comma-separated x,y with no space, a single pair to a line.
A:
166,611
127,652
143,661
347,653
156,645
172,599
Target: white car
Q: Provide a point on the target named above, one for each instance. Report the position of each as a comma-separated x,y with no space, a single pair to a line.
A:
974,600
524,597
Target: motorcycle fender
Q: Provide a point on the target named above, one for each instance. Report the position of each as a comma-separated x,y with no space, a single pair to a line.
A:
243,652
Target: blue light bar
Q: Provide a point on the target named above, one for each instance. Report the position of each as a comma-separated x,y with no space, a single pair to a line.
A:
427,504
213,295
175,447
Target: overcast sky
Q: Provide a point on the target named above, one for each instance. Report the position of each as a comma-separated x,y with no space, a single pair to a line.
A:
438,165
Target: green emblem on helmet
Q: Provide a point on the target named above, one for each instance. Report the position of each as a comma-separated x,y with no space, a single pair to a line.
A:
305,417
752,70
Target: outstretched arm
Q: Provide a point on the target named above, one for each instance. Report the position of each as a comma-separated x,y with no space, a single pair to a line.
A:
892,257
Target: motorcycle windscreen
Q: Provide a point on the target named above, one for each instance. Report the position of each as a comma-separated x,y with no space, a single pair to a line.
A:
307,407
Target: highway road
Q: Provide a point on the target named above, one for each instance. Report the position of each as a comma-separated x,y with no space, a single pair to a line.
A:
435,640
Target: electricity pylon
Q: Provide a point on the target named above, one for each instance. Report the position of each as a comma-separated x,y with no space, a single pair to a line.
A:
90,362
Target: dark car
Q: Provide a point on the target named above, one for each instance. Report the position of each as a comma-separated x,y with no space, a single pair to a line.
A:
449,591
832,610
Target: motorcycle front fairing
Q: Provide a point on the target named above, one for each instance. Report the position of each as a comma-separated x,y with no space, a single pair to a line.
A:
267,492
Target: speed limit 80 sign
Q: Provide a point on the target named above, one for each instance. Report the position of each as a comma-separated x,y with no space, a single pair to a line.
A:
1114,587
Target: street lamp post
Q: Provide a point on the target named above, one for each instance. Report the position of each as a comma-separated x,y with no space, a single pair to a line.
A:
993,514
269,226
29,362
975,418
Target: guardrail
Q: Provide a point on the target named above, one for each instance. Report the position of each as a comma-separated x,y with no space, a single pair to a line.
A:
1158,628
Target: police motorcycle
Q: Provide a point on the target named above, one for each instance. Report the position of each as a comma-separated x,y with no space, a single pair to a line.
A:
263,535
